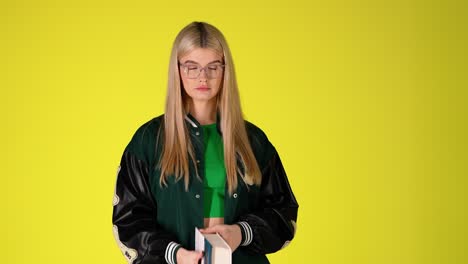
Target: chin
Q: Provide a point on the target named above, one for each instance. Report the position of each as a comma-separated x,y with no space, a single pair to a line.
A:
202,98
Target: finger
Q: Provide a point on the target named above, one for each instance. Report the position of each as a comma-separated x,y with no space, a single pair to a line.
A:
210,230
195,256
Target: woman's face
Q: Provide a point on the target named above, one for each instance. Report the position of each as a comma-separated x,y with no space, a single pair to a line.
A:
201,85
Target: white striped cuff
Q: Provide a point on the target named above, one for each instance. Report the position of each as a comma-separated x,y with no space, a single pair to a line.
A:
247,230
170,254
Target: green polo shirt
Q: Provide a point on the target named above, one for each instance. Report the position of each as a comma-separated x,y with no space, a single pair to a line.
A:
215,172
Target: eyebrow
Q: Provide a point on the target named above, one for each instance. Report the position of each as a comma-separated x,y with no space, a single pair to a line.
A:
191,61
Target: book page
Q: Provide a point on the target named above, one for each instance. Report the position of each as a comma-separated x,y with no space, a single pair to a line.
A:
215,249
199,240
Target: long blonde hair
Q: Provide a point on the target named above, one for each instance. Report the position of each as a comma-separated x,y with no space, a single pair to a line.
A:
177,147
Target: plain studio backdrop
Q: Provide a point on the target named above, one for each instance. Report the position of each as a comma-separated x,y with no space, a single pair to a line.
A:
365,101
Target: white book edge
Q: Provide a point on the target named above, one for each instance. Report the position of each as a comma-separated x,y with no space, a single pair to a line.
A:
200,241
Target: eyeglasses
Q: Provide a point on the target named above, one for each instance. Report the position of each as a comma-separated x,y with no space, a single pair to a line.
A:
192,71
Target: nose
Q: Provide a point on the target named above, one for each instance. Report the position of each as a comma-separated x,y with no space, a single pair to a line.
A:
202,76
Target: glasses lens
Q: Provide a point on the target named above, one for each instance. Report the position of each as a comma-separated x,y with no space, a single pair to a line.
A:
211,71
192,71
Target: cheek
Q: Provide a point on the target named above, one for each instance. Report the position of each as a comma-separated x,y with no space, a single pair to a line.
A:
186,84
217,84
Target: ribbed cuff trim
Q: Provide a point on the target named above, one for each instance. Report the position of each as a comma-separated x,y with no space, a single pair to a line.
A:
247,233
171,251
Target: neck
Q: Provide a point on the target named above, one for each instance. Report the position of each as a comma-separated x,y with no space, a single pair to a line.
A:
204,111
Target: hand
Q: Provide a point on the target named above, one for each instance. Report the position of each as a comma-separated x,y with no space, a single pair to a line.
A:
188,257
230,233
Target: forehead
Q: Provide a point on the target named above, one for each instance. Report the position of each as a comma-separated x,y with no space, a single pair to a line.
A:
202,56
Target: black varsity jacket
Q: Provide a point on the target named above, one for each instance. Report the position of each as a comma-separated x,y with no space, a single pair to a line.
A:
150,222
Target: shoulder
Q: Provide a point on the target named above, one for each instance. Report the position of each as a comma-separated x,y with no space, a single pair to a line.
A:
147,130
261,146
255,133
144,138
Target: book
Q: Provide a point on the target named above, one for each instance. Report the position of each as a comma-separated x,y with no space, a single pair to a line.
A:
216,250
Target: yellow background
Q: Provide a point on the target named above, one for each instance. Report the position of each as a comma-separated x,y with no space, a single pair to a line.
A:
364,100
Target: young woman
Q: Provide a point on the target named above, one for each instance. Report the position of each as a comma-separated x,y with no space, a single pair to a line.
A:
200,164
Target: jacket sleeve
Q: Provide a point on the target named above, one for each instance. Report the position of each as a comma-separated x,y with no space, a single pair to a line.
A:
274,225
136,231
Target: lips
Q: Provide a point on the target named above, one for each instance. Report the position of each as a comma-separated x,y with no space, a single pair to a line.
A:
202,88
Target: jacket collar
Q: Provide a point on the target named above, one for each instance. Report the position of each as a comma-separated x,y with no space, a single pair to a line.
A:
194,124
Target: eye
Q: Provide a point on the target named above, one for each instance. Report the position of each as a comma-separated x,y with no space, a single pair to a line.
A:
192,67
